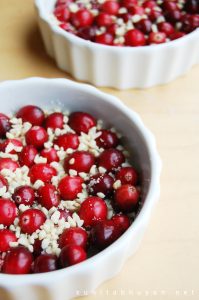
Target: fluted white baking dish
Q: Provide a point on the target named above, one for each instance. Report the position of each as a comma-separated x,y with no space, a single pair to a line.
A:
48,93
118,67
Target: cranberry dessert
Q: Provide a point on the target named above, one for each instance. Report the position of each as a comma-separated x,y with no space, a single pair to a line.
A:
67,188
127,22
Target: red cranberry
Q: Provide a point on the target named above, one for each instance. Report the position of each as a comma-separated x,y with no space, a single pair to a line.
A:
55,120
18,261
31,220
134,37
126,197
149,4
127,175
192,6
14,142
8,211
72,255
67,27
169,5
63,2
82,18
6,237
105,38
64,214
37,248
104,233
31,114
3,182
122,221
176,35
83,161
8,163
101,183
69,187
110,159
50,155
36,136
62,13
107,139
48,196
154,15
129,3
45,263
4,125
87,33
166,27
190,23
126,17
93,209
112,29
104,19
27,155
110,7
157,37
144,25
73,236
137,10
174,15
81,122
24,195
68,140
43,172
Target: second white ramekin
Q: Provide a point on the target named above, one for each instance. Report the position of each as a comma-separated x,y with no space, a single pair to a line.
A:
118,67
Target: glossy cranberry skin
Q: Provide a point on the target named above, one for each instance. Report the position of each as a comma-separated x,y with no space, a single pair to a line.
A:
62,13
127,175
104,19
69,187
134,37
43,172
154,15
101,183
192,6
24,195
137,10
8,211
72,255
81,122
157,37
122,221
144,25
8,163
50,155
6,237
27,155
149,4
83,161
129,3
64,214
82,18
104,233
110,7
87,33
93,209
18,261
107,139
45,263
174,15
5,125
37,248
166,27
105,39
68,140
31,220
126,197
7,142
36,136
177,35
67,27
190,23
31,114
169,5
48,196
55,120
3,182
111,159
73,236
112,29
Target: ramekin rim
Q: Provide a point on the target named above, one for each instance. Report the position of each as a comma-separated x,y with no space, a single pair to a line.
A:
87,43
151,198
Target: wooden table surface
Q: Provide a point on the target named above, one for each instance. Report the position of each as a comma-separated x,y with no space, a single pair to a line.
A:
167,263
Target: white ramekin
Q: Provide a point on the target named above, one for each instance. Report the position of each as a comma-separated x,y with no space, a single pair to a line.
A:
47,93
118,67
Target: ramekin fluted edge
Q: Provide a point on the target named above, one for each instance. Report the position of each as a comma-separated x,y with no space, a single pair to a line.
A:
68,283
118,67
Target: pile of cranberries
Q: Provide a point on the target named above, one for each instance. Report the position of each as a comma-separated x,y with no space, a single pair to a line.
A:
128,22
115,189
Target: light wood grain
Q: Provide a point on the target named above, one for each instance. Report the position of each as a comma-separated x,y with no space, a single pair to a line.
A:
168,259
